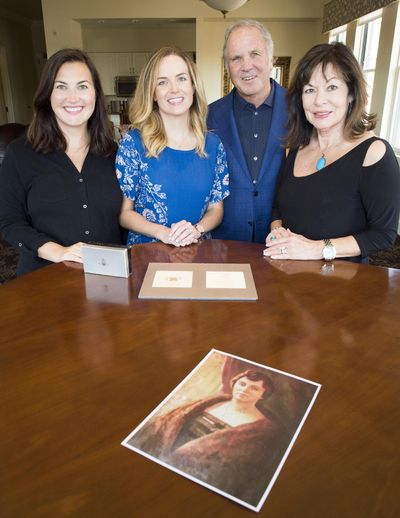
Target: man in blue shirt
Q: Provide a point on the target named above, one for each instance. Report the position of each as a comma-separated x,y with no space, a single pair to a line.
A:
250,121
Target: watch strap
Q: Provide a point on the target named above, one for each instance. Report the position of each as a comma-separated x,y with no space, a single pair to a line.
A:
199,229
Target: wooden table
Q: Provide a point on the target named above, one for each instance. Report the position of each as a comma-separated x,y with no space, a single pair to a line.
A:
83,361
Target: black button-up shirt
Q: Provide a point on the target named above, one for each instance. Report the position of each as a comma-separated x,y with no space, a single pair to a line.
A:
253,127
44,198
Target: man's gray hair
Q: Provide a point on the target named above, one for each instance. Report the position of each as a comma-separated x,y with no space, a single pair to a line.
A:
269,44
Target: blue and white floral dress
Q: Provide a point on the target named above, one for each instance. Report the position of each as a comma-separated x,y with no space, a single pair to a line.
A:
175,186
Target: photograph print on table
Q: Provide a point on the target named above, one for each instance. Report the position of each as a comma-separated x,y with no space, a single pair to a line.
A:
229,426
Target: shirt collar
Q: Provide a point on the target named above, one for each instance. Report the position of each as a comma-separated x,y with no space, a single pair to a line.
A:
243,104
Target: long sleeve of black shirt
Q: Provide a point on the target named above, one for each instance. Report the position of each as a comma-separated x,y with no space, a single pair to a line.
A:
43,198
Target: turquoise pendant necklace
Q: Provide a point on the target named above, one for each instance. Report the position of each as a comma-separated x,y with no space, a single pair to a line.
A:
321,162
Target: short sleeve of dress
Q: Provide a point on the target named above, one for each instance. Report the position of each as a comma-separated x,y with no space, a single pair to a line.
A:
220,188
129,164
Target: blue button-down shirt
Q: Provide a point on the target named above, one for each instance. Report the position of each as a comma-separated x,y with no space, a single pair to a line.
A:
253,126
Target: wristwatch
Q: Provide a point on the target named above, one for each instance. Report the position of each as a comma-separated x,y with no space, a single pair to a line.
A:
329,251
200,229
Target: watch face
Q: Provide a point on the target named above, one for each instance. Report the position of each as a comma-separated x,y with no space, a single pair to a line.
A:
329,253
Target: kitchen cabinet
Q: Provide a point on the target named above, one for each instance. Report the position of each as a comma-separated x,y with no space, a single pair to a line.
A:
131,63
106,65
111,64
126,65
141,59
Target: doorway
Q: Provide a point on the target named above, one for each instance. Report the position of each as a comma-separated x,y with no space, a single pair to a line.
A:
6,104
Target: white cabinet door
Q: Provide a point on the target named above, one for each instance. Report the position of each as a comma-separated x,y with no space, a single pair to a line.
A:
125,64
105,62
131,63
141,59
111,64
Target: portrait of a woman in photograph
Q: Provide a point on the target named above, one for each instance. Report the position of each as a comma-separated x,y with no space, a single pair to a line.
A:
228,427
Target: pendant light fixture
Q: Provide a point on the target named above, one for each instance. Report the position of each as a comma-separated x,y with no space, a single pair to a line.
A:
225,5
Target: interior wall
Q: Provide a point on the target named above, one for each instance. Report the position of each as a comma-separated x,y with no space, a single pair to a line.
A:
15,36
3,113
38,47
60,17
127,39
282,16
284,33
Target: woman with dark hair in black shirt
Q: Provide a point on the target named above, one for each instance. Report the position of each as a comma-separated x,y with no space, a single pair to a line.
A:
58,186
338,190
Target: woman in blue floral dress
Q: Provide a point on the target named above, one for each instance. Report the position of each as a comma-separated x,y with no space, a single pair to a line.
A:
172,172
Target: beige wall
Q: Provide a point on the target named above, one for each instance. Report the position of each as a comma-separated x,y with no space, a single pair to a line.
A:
295,26
128,39
210,38
14,36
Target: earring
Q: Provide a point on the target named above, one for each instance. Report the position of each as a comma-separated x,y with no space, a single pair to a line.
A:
350,108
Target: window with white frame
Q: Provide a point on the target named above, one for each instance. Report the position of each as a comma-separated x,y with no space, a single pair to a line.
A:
394,135
390,128
366,46
338,34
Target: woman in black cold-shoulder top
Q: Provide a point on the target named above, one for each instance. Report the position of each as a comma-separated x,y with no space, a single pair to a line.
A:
338,190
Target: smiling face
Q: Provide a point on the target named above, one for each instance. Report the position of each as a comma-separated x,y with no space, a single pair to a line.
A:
247,391
249,64
174,88
73,98
326,99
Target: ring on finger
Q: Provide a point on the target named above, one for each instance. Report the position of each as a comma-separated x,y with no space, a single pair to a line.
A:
283,250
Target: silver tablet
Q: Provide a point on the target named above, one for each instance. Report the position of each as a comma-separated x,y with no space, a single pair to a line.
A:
107,259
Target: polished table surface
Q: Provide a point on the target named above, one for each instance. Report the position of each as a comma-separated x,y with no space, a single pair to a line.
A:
83,361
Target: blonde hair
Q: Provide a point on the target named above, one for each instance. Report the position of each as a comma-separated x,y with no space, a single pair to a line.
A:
143,110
